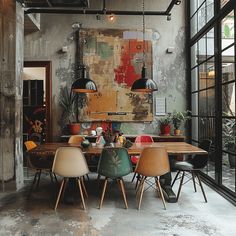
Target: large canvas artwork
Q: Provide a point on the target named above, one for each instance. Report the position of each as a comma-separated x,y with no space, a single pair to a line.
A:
115,59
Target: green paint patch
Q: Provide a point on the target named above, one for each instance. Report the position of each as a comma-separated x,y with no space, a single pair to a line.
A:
104,50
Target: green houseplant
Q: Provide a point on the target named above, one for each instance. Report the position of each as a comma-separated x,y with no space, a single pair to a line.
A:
178,118
165,125
228,137
70,110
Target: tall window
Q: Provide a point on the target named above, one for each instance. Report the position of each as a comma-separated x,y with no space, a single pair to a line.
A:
212,49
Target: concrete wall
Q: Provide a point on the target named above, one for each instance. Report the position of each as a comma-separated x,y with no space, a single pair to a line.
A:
168,69
11,66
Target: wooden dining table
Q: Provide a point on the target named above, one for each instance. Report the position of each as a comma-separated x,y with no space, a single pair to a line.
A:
173,149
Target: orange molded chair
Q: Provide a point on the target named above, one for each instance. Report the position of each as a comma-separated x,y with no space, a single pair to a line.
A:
76,139
153,162
140,139
38,164
69,162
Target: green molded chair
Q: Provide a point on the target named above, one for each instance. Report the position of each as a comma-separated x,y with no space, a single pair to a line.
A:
114,163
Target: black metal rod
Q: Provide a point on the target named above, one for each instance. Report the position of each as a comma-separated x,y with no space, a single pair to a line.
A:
92,12
169,8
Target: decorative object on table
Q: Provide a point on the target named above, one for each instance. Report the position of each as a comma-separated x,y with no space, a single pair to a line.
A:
121,139
85,143
165,125
178,118
108,137
128,144
144,84
228,138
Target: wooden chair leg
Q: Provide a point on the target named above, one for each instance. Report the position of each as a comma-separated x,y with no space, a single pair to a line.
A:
200,183
81,193
141,192
64,187
138,189
59,194
176,176
161,192
103,193
84,188
180,185
194,183
123,192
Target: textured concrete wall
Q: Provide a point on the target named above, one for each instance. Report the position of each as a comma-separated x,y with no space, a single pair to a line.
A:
168,69
11,36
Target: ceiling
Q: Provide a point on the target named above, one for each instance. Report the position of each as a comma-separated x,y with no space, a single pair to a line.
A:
91,7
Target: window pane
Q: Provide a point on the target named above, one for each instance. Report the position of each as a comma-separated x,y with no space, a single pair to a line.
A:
201,16
202,49
228,99
202,75
194,55
193,7
228,65
227,33
210,43
193,23
202,103
194,78
195,128
211,73
195,104
211,102
224,2
209,9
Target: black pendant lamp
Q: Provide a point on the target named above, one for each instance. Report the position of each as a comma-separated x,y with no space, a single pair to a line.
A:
144,84
83,84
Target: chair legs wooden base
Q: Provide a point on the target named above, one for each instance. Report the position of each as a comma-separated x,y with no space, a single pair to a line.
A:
120,183
81,190
193,173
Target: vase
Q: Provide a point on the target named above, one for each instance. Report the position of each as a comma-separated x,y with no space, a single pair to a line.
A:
165,129
176,131
74,128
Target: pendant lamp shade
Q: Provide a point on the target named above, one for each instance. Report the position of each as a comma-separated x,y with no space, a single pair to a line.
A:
84,84
144,84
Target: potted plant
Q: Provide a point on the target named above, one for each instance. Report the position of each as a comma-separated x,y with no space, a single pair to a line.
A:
177,119
70,111
165,125
228,137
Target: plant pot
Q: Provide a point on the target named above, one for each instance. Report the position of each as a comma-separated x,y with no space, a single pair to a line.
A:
165,129
176,131
74,128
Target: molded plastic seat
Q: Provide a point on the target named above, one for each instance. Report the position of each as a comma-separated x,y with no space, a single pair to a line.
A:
69,162
193,165
153,162
76,139
114,163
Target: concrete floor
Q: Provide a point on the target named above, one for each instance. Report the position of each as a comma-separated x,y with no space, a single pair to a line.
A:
190,216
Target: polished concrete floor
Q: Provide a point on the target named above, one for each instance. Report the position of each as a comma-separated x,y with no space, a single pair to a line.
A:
190,216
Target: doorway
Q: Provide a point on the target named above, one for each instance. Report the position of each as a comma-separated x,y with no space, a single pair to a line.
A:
37,101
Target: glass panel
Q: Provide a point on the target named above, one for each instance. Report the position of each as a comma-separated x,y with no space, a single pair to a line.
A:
202,75
194,55
195,128
210,43
227,33
211,73
209,9
211,102
195,104
201,16
203,103
194,78
228,158
228,65
228,99
224,2
193,7
202,49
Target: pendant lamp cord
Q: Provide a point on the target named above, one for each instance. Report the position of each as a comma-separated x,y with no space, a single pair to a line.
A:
144,53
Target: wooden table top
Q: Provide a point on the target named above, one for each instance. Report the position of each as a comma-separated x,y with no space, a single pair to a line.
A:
173,148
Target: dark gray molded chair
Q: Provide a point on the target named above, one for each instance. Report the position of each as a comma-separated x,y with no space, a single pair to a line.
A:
193,166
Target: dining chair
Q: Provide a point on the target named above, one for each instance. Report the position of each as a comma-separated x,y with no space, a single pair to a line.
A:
114,163
38,164
193,166
76,139
69,162
153,162
134,159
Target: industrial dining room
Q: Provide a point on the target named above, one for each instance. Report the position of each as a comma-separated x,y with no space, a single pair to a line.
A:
117,117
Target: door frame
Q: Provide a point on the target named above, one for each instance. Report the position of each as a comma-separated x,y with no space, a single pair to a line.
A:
48,96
